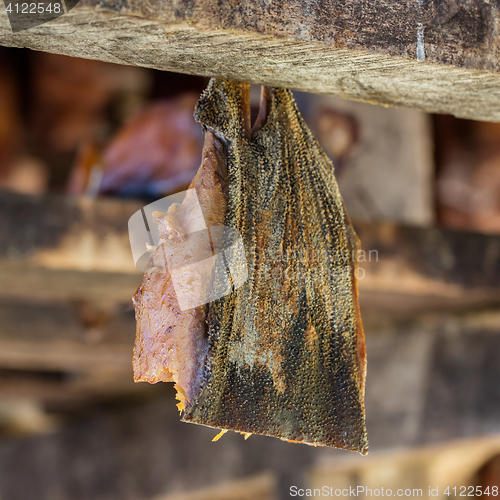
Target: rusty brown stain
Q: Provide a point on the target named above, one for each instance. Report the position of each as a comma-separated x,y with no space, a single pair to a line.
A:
310,336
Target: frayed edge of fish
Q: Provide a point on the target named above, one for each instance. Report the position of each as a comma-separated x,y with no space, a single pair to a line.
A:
282,354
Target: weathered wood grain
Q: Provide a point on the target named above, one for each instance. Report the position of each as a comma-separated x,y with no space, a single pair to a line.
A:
357,50
454,32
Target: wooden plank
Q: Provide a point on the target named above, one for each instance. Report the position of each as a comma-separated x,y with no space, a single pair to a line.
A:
72,390
53,337
454,464
440,56
430,381
51,352
143,452
58,232
62,248
429,261
261,487
27,280
433,380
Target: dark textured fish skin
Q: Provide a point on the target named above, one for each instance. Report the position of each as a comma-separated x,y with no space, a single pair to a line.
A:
287,355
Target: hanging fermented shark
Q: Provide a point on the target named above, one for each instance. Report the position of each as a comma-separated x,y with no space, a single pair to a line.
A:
280,351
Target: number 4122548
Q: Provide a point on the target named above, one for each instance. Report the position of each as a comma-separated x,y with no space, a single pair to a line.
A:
34,8
471,491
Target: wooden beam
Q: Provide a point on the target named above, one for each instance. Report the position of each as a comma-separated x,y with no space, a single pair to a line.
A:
62,248
53,337
440,57
66,248
430,381
427,268
433,379
261,487
66,352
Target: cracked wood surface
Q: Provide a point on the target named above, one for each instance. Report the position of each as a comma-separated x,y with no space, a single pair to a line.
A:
358,50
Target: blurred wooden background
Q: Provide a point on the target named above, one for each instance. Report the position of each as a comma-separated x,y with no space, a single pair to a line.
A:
84,144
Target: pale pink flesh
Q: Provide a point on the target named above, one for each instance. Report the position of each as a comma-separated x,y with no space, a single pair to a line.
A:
171,345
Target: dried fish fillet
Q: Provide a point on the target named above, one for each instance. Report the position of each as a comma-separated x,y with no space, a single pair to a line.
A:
283,354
